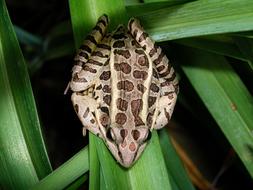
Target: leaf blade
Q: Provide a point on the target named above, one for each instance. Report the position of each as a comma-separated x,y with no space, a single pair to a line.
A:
199,18
226,98
23,156
66,173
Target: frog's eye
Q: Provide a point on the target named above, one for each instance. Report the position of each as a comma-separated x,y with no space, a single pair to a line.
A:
110,135
148,137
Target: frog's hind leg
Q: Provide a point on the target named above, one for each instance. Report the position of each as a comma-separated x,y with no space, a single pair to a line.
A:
90,57
85,108
167,76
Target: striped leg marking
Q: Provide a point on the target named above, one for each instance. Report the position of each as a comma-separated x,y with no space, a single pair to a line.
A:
90,57
167,75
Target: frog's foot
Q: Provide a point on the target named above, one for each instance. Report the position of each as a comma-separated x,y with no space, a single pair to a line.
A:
166,106
85,108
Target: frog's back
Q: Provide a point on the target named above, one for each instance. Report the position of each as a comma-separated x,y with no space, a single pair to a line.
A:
131,76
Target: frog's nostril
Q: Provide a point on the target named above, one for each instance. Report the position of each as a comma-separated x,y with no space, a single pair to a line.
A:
132,147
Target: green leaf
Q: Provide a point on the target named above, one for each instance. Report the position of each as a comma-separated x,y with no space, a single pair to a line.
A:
246,47
225,96
94,174
173,163
138,9
199,18
222,48
77,183
23,157
66,173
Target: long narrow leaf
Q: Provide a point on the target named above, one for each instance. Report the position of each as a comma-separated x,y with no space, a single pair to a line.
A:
141,8
67,173
199,18
221,48
226,98
246,47
94,174
23,158
173,163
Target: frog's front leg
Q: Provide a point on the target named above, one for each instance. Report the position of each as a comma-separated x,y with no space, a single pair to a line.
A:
85,107
167,75
90,57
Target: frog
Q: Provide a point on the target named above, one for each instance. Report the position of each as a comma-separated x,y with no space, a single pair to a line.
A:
123,87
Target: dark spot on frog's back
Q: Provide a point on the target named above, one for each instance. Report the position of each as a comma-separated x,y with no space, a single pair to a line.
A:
119,44
141,88
125,85
105,75
105,110
104,120
124,67
120,118
107,99
143,61
140,74
106,89
136,106
154,87
150,119
151,101
122,104
99,87
119,36
124,53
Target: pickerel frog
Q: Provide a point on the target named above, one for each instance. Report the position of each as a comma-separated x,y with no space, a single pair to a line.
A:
123,88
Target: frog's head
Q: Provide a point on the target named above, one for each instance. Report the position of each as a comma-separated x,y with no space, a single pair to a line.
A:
127,144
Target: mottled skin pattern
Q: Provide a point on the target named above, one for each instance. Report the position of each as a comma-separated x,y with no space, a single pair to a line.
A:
123,88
